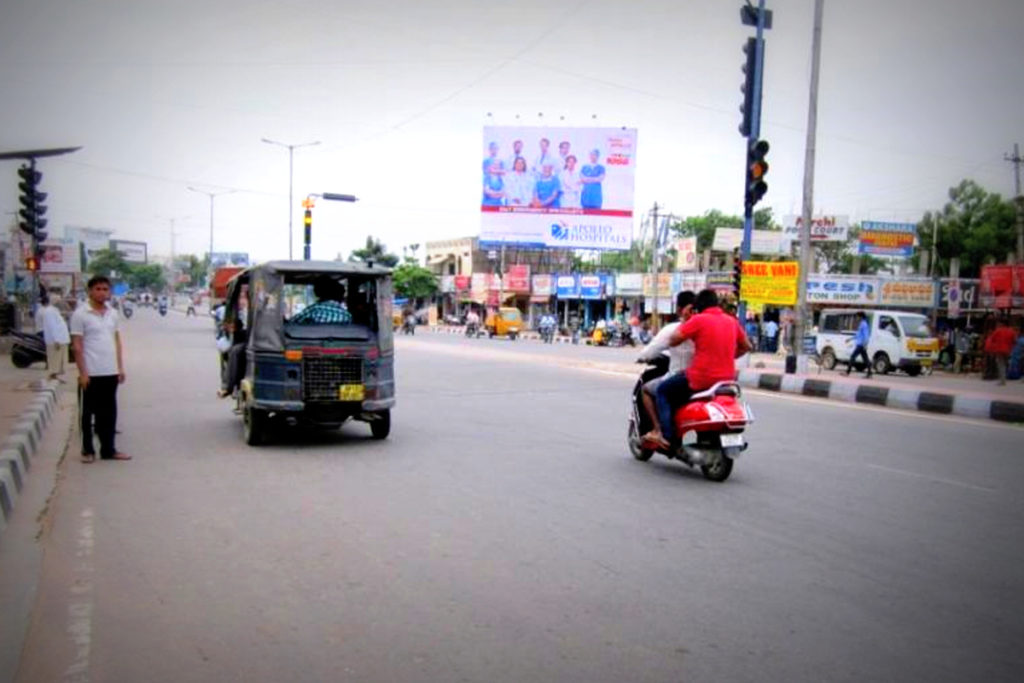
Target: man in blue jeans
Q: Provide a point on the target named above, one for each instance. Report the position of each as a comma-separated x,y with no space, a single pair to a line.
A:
860,344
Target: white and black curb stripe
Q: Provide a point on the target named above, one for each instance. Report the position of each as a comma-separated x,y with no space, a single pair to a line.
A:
890,397
533,336
21,445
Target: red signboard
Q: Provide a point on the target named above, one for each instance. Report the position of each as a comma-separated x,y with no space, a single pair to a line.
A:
461,283
517,279
997,286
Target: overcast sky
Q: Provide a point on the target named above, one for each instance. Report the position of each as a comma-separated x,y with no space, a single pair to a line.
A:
915,95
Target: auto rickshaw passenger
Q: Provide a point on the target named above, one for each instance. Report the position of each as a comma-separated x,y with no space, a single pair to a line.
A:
329,308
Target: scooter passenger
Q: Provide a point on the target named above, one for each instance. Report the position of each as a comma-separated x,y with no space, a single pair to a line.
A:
718,341
680,357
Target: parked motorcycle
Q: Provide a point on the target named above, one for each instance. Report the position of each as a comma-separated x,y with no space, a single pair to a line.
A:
27,349
710,426
127,310
163,309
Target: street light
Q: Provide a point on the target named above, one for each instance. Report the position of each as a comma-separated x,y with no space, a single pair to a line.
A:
211,195
291,151
307,220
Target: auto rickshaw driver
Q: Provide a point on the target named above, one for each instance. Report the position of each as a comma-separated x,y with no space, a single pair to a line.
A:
329,308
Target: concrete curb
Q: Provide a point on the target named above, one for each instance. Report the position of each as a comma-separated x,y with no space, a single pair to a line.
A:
532,336
903,399
22,444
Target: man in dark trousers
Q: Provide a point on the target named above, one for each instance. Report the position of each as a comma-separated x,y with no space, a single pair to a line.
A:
97,344
860,344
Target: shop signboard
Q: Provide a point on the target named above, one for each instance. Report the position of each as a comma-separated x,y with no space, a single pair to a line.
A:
887,239
772,283
60,255
666,285
543,285
692,282
447,284
996,286
221,259
517,279
855,290
479,286
599,216
907,293
593,286
462,283
969,298
686,254
823,228
567,286
720,281
953,298
762,242
629,284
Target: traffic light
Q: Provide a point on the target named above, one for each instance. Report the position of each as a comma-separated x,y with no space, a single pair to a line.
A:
307,221
737,271
757,169
32,207
749,69
31,264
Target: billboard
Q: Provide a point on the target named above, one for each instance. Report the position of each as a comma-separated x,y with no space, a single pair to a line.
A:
543,286
766,242
60,256
842,289
908,293
769,283
132,252
686,253
553,187
1002,286
567,286
220,259
91,239
517,279
629,284
823,228
887,239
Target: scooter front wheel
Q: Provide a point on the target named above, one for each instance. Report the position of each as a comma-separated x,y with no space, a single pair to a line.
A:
633,438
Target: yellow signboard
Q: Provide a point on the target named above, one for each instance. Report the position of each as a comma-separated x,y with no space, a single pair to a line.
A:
772,283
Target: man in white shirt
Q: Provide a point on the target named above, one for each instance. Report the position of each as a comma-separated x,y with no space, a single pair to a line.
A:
680,357
97,344
55,336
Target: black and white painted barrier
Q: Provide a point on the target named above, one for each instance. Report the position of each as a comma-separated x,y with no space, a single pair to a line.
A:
452,329
891,397
22,444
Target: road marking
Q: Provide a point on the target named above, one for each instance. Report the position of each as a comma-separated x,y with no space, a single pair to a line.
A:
926,477
80,608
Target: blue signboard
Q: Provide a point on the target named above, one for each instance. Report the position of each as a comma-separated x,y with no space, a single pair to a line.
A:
567,286
594,286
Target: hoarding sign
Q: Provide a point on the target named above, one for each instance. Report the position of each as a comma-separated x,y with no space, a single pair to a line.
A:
907,293
543,285
887,239
842,289
479,286
969,294
517,279
553,187
763,242
629,284
823,228
666,285
686,253
593,286
567,286
60,256
691,282
720,281
221,259
997,286
131,252
769,283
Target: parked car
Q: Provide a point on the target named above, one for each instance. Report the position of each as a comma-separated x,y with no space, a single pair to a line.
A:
899,339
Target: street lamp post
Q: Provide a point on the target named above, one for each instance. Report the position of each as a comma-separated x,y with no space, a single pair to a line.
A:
291,166
211,195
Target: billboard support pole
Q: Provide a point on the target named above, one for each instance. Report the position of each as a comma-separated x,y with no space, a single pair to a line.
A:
654,269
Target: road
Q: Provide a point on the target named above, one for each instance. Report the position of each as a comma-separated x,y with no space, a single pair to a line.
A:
503,533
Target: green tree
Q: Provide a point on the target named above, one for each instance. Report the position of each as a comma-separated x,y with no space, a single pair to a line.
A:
149,276
107,261
414,281
839,257
194,268
704,226
975,225
375,251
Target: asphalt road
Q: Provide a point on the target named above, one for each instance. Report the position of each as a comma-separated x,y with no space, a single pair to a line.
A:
503,533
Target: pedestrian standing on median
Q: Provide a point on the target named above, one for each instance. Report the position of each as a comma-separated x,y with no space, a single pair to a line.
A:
860,344
1000,344
56,338
98,354
961,347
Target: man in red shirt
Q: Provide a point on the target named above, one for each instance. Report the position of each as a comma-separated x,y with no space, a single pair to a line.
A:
718,341
1000,344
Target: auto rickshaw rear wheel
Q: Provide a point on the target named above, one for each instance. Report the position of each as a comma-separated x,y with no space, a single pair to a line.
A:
254,423
381,426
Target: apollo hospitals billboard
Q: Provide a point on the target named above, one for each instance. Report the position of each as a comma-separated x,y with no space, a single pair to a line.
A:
568,188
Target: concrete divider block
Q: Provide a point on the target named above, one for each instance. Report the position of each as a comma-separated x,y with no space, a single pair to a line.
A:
843,391
903,398
28,423
967,406
39,412
41,402
12,464
27,432
1007,411
8,493
747,378
791,384
26,462
19,443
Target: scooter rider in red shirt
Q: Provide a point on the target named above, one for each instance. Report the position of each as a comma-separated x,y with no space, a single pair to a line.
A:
719,340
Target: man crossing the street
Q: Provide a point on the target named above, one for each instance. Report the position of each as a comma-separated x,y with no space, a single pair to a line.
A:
860,344
97,344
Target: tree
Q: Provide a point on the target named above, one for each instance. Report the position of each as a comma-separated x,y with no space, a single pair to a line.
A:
414,281
107,261
975,225
838,257
194,268
704,226
376,251
149,276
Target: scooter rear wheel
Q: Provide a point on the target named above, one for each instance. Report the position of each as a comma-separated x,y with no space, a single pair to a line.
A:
718,471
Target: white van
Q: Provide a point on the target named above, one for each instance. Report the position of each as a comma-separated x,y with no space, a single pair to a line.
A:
898,339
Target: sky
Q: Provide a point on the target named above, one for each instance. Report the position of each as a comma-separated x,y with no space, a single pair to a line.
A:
915,96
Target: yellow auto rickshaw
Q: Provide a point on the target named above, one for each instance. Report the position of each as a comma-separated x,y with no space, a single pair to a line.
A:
507,321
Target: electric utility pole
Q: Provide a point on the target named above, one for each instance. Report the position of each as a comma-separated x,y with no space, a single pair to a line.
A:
1016,160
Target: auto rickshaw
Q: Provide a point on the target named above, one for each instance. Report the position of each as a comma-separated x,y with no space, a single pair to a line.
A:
320,366
507,321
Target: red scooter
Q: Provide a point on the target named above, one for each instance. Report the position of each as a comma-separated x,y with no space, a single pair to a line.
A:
711,427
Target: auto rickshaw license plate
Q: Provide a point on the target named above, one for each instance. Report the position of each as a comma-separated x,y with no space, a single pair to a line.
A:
351,392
